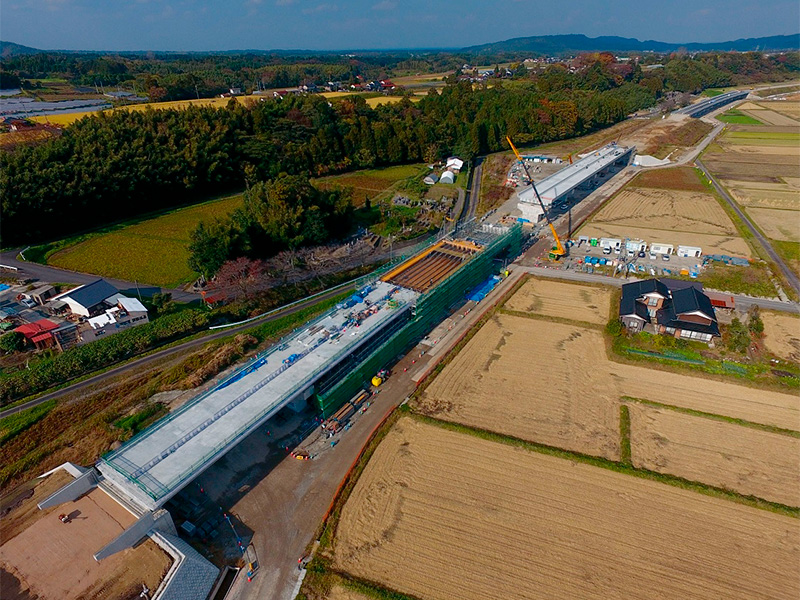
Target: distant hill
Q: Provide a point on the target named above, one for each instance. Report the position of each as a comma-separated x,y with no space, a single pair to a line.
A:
566,44
11,49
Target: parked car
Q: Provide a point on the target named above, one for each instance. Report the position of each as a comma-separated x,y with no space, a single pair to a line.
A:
29,302
607,250
665,257
617,250
642,254
653,256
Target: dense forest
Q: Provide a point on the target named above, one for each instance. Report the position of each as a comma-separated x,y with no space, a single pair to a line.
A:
115,165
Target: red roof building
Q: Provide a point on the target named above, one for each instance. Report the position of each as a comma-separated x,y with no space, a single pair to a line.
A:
38,333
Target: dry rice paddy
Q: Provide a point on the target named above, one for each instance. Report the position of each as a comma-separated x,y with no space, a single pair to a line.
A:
782,335
668,206
759,165
445,515
750,461
564,300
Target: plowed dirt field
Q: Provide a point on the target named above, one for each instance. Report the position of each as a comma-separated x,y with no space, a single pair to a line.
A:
746,460
782,335
445,515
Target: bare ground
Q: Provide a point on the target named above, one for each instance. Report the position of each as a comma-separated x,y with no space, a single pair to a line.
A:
53,560
445,515
749,461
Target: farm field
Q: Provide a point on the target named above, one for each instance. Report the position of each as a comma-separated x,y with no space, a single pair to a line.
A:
446,515
782,335
153,251
564,300
668,206
750,461
759,165
371,183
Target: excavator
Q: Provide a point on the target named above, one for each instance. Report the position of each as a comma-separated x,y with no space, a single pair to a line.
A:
558,250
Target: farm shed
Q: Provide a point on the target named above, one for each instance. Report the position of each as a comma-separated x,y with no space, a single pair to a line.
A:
454,163
430,179
447,177
41,294
690,251
721,300
38,333
90,299
662,248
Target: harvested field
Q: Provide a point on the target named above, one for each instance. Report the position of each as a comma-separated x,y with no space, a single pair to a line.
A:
750,461
770,117
564,300
777,224
782,335
680,178
153,251
445,515
671,210
55,561
711,244
534,380
753,194
553,383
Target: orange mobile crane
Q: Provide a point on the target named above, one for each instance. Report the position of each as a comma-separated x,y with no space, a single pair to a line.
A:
558,250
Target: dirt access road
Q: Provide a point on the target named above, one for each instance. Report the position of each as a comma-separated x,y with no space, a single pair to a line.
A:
286,507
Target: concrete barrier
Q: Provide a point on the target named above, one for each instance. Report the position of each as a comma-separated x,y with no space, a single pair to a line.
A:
72,491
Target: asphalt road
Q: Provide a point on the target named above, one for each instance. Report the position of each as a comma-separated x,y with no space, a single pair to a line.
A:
54,274
787,272
473,192
161,355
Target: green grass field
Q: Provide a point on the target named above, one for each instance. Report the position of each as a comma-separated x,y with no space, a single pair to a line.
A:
371,183
152,251
738,117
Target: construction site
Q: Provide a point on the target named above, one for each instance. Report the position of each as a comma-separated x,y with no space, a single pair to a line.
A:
317,369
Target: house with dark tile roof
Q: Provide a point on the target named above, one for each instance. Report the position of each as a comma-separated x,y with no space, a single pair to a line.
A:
669,306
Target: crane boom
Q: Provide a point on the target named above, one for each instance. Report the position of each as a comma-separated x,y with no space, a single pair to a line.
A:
558,251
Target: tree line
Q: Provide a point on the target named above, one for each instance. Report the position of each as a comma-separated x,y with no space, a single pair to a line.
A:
116,165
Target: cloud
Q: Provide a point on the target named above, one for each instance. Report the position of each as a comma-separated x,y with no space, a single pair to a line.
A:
385,5
325,7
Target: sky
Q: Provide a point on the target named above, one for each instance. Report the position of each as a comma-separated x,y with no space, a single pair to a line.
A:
378,24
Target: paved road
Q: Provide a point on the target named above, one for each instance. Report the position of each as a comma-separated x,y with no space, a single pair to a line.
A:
161,355
742,302
788,273
474,191
54,274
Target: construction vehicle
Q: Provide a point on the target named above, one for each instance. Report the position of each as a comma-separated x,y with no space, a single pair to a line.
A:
380,377
558,250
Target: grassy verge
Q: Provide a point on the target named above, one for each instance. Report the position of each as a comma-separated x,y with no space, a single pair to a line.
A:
617,467
321,579
716,417
14,425
625,435
738,117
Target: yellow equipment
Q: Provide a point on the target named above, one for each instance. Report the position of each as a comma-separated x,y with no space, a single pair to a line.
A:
558,250
376,381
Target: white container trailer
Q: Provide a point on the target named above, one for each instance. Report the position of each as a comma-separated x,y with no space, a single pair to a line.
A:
662,248
610,243
690,251
635,245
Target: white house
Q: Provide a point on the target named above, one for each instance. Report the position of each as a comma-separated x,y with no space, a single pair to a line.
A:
447,177
454,164
610,243
635,245
661,248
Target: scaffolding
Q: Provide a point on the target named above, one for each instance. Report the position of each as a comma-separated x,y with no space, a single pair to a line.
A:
429,310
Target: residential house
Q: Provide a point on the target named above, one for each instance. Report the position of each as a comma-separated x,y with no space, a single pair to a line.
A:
454,164
668,306
90,299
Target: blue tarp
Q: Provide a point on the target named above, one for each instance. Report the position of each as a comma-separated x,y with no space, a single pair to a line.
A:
480,292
